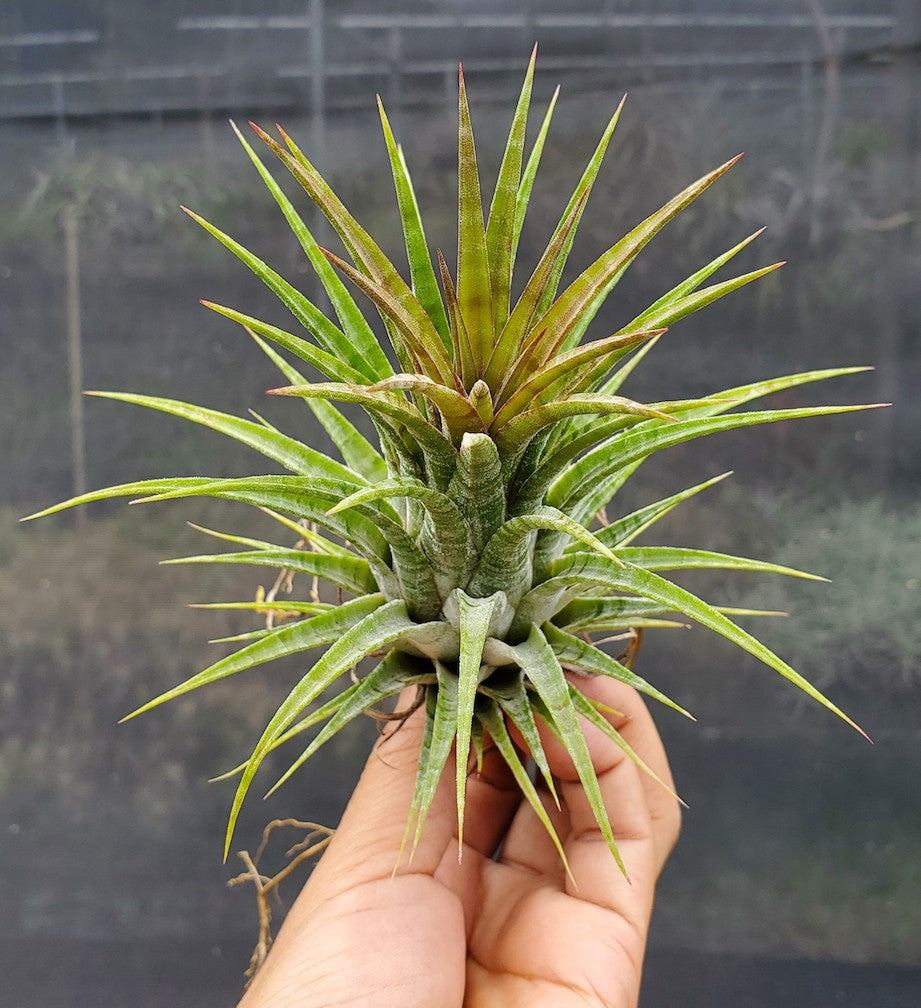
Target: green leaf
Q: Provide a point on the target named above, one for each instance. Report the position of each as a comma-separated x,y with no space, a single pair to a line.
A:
357,451
536,658
285,450
473,292
238,539
572,365
351,573
475,616
584,481
369,259
695,280
306,534
501,225
626,529
360,335
294,494
447,542
580,299
505,563
286,640
424,284
377,631
456,410
326,363
392,674
591,614
155,486
678,558
741,394
330,337
613,384
530,171
462,348
439,450
315,717
590,711
580,436
597,570
591,660
477,486
492,720
577,202
421,341
441,728
515,435
507,361
674,311
516,705
289,605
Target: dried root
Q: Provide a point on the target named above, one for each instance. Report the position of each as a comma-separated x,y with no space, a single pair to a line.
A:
314,842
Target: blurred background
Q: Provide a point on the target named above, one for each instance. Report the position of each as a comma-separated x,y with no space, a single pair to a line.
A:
798,875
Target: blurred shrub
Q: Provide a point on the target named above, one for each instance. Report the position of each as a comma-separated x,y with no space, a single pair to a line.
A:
864,627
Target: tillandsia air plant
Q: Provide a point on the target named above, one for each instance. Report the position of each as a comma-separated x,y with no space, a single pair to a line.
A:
464,546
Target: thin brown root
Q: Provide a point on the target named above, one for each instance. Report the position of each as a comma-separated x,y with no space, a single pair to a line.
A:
267,887
632,649
285,582
400,717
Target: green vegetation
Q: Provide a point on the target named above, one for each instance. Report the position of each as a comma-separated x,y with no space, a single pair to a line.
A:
464,535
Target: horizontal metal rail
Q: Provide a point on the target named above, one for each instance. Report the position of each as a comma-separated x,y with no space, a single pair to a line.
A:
66,92
271,22
28,39
519,21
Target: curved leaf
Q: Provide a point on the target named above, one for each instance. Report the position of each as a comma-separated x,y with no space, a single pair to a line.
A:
456,410
286,640
326,363
360,341
377,631
395,672
424,284
593,661
351,573
475,616
287,451
646,584
679,558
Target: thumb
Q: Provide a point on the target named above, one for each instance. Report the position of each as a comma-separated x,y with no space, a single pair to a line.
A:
369,843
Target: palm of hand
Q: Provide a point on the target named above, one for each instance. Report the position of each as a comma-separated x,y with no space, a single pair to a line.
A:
506,932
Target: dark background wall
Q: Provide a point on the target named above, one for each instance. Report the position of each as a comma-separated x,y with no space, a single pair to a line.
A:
799,871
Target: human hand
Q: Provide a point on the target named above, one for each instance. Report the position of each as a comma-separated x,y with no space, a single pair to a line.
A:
510,931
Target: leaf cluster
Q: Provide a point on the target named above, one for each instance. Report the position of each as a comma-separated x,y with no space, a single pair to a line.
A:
464,536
